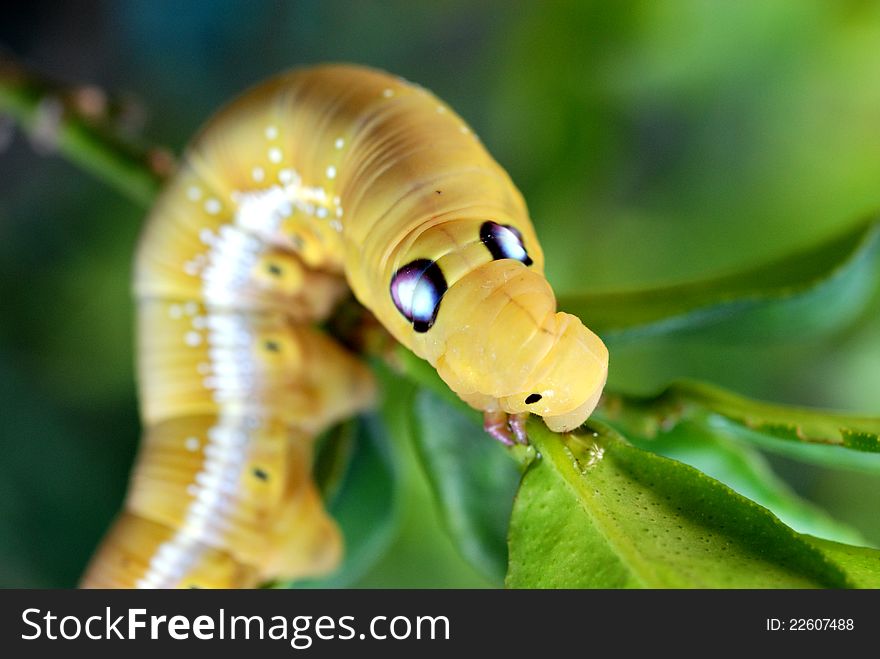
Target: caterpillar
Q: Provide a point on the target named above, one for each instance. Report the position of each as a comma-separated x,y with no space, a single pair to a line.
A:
316,181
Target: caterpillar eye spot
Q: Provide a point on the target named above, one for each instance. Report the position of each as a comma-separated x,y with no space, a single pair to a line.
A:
504,242
259,473
272,346
416,290
274,269
533,398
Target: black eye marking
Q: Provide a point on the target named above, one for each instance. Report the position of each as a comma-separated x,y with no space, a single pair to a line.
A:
416,290
533,398
261,474
272,346
504,242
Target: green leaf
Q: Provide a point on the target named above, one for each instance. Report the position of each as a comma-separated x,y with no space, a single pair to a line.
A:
859,433
421,539
825,437
473,478
364,504
822,455
333,455
596,512
678,424
745,470
862,565
806,293
357,471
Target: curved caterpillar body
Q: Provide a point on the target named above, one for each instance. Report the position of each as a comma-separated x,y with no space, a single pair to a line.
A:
316,179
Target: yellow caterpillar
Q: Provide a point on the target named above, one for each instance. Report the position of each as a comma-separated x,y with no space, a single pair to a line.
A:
313,181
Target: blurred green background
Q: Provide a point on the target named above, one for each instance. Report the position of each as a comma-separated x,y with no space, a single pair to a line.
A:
654,142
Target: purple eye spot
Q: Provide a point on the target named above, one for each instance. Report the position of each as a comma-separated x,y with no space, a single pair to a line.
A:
504,242
416,290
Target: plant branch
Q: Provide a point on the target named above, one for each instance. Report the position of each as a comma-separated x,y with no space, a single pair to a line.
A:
74,123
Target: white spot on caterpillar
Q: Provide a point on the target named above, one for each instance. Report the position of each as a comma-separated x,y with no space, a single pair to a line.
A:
206,236
262,211
258,174
464,129
200,322
193,339
192,444
175,311
440,109
258,211
339,143
275,155
321,211
339,211
388,93
331,172
191,308
336,225
271,132
213,206
285,175
194,193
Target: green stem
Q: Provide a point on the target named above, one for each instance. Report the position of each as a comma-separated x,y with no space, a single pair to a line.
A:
30,101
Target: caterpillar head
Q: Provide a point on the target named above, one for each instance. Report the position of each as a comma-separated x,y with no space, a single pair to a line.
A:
499,343
566,385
